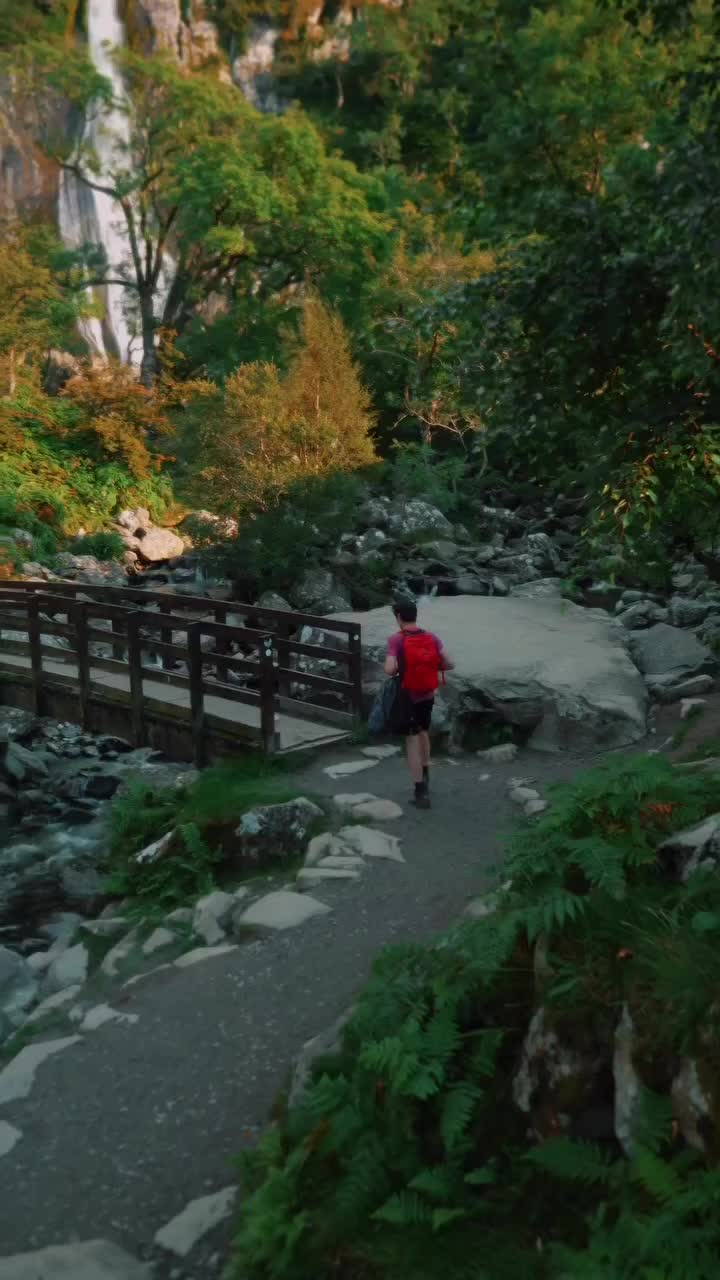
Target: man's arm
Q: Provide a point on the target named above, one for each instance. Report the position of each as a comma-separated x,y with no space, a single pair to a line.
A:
446,661
391,665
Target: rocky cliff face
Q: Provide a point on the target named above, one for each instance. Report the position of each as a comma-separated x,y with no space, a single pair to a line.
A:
28,179
158,26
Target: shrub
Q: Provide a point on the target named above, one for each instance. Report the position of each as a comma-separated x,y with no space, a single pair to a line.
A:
273,550
200,813
408,1157
104,545
418,471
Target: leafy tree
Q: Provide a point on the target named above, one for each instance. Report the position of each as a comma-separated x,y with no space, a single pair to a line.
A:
217,199
266,430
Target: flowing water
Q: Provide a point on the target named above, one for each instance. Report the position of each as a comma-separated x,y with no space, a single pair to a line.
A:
89,216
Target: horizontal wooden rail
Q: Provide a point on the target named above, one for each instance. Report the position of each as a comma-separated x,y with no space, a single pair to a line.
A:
144,625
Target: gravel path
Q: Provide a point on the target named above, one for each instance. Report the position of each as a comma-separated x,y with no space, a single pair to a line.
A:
127,1125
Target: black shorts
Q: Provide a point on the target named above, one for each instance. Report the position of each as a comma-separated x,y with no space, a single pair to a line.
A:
420,715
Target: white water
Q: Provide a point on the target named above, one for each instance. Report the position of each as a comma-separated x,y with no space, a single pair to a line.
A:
92,216
253,67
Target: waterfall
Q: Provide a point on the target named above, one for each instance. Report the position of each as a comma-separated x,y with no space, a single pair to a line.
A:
252,70
88,216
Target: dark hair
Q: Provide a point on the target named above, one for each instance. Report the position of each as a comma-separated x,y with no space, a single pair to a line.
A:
405,610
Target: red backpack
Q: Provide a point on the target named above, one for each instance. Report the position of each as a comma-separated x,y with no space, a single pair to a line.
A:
421,663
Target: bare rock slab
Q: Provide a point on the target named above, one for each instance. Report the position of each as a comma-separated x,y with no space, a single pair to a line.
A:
559,672
90,1260
282,909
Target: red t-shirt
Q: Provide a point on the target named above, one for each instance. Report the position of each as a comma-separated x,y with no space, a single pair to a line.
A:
394,648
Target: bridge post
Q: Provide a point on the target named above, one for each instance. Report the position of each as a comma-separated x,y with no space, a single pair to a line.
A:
82,655
355,648
221,646
134,657
197,700
267,695
33,625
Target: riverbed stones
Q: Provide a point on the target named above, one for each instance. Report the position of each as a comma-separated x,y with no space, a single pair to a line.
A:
18,986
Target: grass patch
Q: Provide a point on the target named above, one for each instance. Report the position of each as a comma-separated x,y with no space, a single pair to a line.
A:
201,817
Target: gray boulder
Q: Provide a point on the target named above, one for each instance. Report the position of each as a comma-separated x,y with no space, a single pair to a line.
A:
407,519
275,833
689,613
153,545
271,600
135,521
663,650
318,591
374,513
669,689
543,552
644,613
549,667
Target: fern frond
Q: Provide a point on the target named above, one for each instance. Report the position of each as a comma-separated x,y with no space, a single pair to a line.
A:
657,1176
574,1161
458,1108
404,1209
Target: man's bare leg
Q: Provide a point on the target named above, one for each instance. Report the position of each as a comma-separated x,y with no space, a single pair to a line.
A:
415,756
424,749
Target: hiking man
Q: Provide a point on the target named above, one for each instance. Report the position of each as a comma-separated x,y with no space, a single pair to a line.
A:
417,657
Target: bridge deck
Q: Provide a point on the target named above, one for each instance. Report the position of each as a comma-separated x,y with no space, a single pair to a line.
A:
294,732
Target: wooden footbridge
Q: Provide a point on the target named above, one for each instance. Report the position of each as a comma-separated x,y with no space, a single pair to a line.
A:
192,676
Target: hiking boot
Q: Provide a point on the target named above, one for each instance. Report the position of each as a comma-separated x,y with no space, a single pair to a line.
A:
421,799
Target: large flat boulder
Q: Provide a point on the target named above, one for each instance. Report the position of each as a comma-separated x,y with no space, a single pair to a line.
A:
557,672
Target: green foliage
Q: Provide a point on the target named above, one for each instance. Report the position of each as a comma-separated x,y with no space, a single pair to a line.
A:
201,814
407,1154
273,550
418,471
104,545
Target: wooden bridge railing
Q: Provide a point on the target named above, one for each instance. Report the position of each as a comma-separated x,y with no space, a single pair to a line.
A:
107,629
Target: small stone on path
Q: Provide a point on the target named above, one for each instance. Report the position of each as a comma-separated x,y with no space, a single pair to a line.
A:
381,753
210,914
351,766
158,939
17,1079
282,909
54,1002
9,1136
183,1232
323,846
372,844
203,953
90,1260
118,954
103,1013
534,807
347,801
377,810
310,875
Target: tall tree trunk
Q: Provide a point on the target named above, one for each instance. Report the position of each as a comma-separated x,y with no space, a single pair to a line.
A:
148,365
